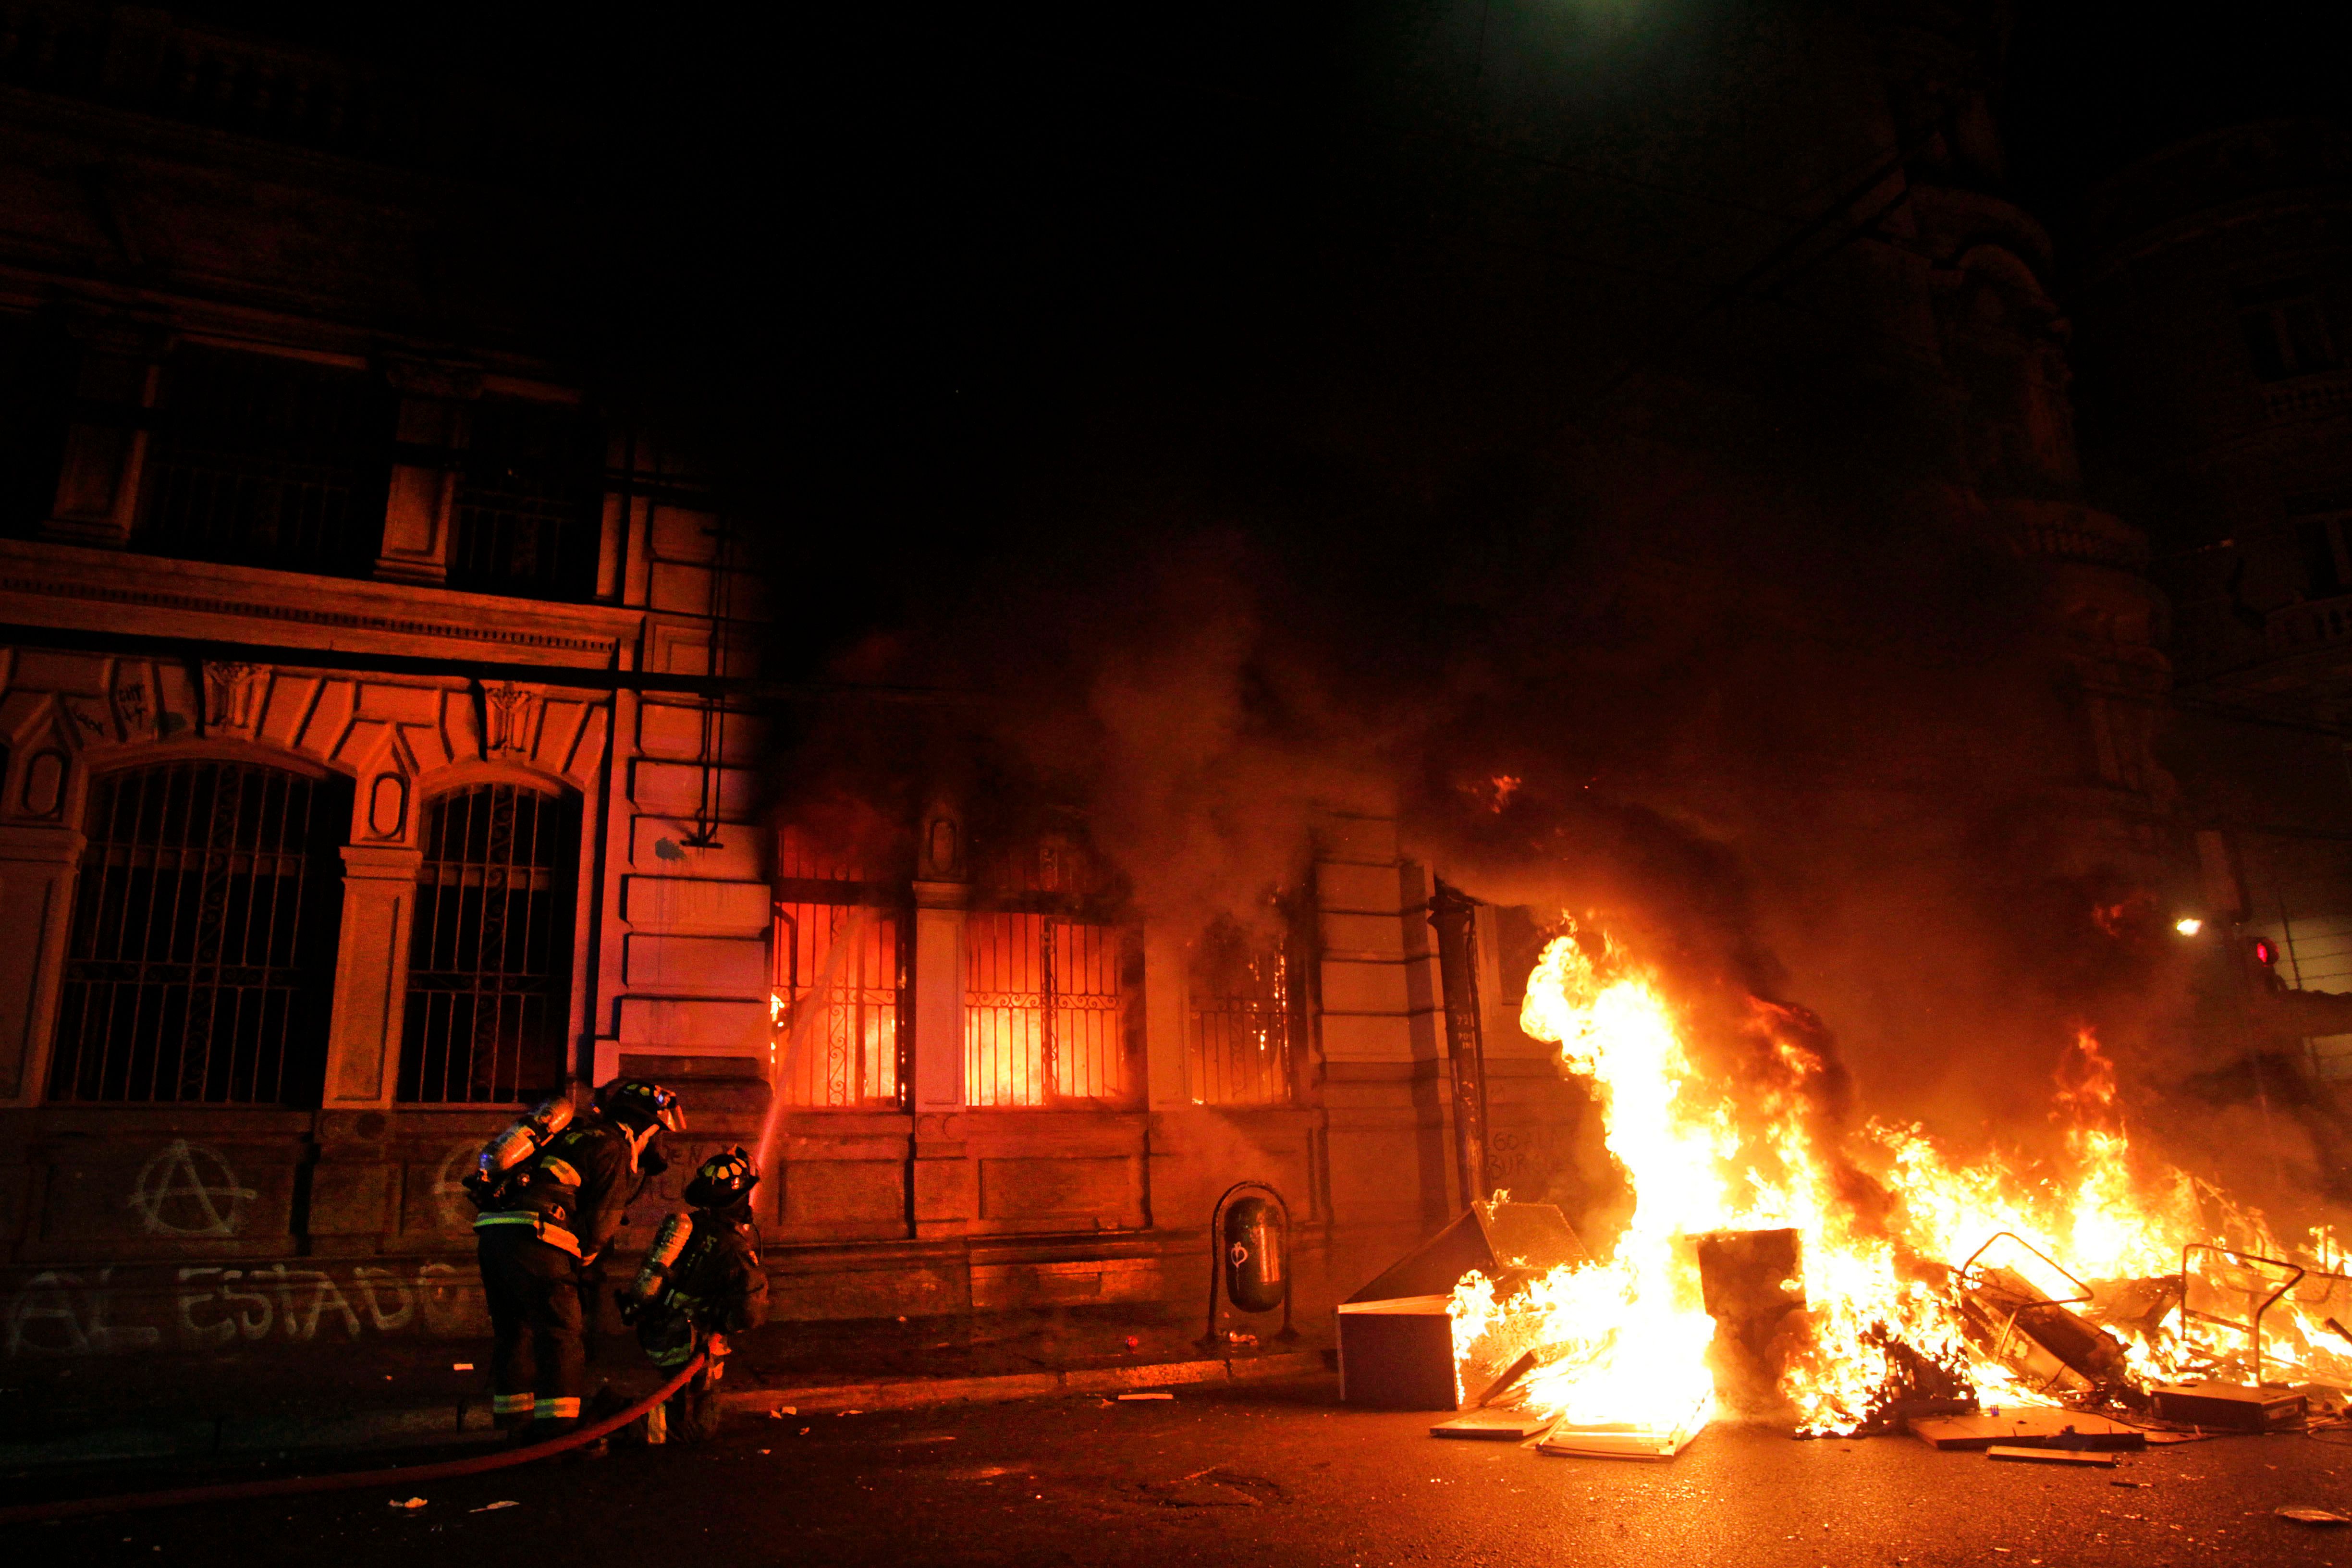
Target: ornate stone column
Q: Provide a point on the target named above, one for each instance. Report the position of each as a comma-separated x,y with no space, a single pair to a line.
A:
370,974
945,1189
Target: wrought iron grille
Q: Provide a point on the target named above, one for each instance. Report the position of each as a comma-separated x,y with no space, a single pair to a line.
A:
840,999
840,1015
528,504
1243,1018
201,946
489,965
264,462
1044,1009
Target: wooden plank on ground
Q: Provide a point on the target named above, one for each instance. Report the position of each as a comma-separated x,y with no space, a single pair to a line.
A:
2051,1457
2030,1428
1494,1426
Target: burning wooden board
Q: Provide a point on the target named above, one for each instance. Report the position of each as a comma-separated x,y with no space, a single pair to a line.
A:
1625,1439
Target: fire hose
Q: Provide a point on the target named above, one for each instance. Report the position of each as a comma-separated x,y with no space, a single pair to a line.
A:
291,1486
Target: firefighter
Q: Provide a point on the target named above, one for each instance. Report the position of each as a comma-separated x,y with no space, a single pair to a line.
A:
546,1217
701,1282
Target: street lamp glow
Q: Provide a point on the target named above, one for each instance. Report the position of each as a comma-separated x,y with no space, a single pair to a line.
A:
2188,925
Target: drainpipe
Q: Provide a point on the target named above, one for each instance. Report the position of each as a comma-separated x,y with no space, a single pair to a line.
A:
1455,915
600,847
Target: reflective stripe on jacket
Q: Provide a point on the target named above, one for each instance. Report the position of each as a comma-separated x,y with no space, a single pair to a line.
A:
572,1192
540,1230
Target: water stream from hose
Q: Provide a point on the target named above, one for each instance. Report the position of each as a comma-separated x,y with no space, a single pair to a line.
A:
806,1009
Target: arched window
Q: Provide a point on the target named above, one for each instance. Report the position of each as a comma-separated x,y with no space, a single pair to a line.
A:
201,958
490,964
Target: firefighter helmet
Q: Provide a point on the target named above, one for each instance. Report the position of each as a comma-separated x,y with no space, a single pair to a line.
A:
723,1180
637,1103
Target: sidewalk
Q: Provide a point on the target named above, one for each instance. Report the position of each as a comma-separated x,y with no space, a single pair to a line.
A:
270,1400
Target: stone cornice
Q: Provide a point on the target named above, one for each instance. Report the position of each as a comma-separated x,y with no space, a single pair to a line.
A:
71,586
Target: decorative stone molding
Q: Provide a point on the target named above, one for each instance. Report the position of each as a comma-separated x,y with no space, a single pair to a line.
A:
595,651
511,718
135,709
233,694
85,721
941,853
387,806
85,706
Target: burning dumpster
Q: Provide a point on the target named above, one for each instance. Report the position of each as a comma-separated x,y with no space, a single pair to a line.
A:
1397,1348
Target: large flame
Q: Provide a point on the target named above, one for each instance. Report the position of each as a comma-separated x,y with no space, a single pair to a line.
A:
1884,1220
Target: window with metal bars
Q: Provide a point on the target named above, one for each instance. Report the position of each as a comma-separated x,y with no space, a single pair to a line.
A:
1244,1016
840,999
263,461
1049,976
489,966
201,956
840,1006
529,502
1045,1012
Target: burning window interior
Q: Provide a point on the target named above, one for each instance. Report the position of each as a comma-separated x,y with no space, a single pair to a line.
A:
1049,977
1243,1016
840,991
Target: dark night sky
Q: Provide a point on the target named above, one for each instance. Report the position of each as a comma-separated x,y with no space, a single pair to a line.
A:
927,211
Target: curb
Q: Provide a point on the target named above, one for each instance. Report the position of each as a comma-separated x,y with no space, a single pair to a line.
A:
418,1425
914,1393
413,1427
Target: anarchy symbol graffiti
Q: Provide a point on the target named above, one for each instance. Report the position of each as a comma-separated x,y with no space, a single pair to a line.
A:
186,1189
453,1204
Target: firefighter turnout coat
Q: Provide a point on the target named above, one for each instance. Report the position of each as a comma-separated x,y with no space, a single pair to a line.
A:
573,1193
717,1286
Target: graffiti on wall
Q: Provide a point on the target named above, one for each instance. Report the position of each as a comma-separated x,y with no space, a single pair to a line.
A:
1534,1165
70,1312
187,1189
452,1205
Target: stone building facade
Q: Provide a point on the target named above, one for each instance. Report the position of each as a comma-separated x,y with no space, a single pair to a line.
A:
385,743
2004,348
384,748
2215,300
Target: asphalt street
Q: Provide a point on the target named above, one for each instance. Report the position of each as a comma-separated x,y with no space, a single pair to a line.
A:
1271,1474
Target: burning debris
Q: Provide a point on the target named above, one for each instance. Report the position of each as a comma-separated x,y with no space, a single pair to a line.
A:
1774,1266
1397,1337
